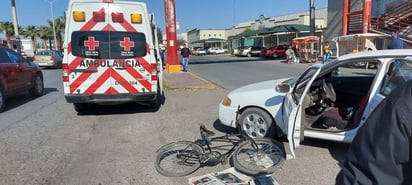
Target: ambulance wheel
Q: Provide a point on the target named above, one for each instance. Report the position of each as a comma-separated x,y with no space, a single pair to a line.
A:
80,107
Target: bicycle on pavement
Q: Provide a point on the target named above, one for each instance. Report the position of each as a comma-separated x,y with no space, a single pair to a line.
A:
251,156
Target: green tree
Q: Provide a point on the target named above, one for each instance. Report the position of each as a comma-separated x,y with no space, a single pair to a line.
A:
32,32
59,29
59,25
45,34
159,35
8,28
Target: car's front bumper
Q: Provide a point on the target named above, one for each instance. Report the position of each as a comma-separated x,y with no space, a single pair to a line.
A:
227,115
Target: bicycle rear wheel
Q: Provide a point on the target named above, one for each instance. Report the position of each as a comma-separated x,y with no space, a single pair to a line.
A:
178,158
265,159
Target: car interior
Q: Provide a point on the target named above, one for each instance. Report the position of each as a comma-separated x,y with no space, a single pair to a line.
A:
337,98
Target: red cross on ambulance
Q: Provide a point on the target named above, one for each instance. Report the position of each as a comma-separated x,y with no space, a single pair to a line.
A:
91,43
126,43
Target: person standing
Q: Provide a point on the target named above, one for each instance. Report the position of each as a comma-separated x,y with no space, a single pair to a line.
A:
396,42
326,52
381,152
185,53
290,55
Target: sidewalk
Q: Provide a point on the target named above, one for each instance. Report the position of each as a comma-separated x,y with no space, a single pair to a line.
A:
186,80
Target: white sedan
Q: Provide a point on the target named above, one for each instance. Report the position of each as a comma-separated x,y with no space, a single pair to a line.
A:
329,101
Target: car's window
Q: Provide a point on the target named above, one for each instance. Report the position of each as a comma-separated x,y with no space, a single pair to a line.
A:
303,80
47,53
400,72
357,68
13,56
4,59
108,45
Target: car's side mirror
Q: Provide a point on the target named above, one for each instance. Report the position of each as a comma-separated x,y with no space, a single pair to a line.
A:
283,88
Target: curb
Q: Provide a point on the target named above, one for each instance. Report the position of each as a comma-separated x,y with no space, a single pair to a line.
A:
176,82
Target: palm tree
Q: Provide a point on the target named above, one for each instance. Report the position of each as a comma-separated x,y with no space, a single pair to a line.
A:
7,27
45,34
32,32
59,25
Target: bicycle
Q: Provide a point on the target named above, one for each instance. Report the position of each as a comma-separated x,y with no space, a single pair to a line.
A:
251,156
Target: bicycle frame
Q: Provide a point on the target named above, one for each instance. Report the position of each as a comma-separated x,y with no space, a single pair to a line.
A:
206,140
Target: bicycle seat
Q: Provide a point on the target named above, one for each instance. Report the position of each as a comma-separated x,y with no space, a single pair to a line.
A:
205,132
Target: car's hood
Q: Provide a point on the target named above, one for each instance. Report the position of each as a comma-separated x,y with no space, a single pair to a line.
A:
269,85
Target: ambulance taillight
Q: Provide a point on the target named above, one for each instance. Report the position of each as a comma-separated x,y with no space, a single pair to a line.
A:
108,1
117,17
65,70
154,72
99,16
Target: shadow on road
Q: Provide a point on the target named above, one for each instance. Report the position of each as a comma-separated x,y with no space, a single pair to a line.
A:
23,98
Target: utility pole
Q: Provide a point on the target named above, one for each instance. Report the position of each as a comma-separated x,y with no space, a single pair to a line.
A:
16,25
54,30
172,65
312,17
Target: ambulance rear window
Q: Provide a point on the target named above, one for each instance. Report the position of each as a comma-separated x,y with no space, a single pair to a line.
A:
108,45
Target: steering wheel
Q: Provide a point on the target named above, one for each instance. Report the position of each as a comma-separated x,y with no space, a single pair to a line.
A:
327,92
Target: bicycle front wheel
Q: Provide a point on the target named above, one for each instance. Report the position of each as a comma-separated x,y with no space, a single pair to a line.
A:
178,159
266,158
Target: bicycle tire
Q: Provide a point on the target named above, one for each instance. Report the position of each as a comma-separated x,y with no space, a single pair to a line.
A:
270,156
168,164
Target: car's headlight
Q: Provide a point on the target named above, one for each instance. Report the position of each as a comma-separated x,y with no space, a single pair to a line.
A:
226,101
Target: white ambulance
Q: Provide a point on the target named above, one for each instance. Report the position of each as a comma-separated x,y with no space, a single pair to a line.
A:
110,54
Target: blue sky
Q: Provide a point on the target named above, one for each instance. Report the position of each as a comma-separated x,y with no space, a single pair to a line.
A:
202,14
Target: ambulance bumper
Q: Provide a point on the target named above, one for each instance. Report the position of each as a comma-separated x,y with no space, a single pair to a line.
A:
106,98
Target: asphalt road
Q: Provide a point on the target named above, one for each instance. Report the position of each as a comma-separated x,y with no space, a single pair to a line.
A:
43,140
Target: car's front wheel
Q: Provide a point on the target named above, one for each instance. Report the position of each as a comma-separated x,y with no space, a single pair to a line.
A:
249,54
38,86
257,123
2,99
274,55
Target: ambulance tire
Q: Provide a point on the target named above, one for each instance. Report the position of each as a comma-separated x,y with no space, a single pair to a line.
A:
80,107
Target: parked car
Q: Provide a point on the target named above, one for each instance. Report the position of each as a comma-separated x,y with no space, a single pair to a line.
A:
200,51
329,101
213,51
48,58
275,51
250,51
219,51
18,74
236,51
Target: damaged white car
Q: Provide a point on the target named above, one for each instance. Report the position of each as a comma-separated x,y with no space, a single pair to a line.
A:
329,101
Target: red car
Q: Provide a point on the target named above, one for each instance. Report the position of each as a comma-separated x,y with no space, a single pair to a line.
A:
18,74
275,51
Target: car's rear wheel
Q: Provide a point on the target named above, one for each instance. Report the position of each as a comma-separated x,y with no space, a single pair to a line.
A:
38,86
2,99
249,54
257,123
274,55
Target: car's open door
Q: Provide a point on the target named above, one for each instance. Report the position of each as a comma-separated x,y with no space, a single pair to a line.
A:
292,106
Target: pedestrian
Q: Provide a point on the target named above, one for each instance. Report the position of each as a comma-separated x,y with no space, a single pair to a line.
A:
185,53
381,152
162,57
290,55
326,52
396,42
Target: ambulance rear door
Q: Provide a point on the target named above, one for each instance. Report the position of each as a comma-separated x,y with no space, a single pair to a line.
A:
108,54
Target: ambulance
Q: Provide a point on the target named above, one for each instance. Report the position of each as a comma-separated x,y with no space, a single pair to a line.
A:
110,54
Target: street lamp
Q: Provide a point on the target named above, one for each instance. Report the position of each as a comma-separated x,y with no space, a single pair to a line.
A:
54,30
